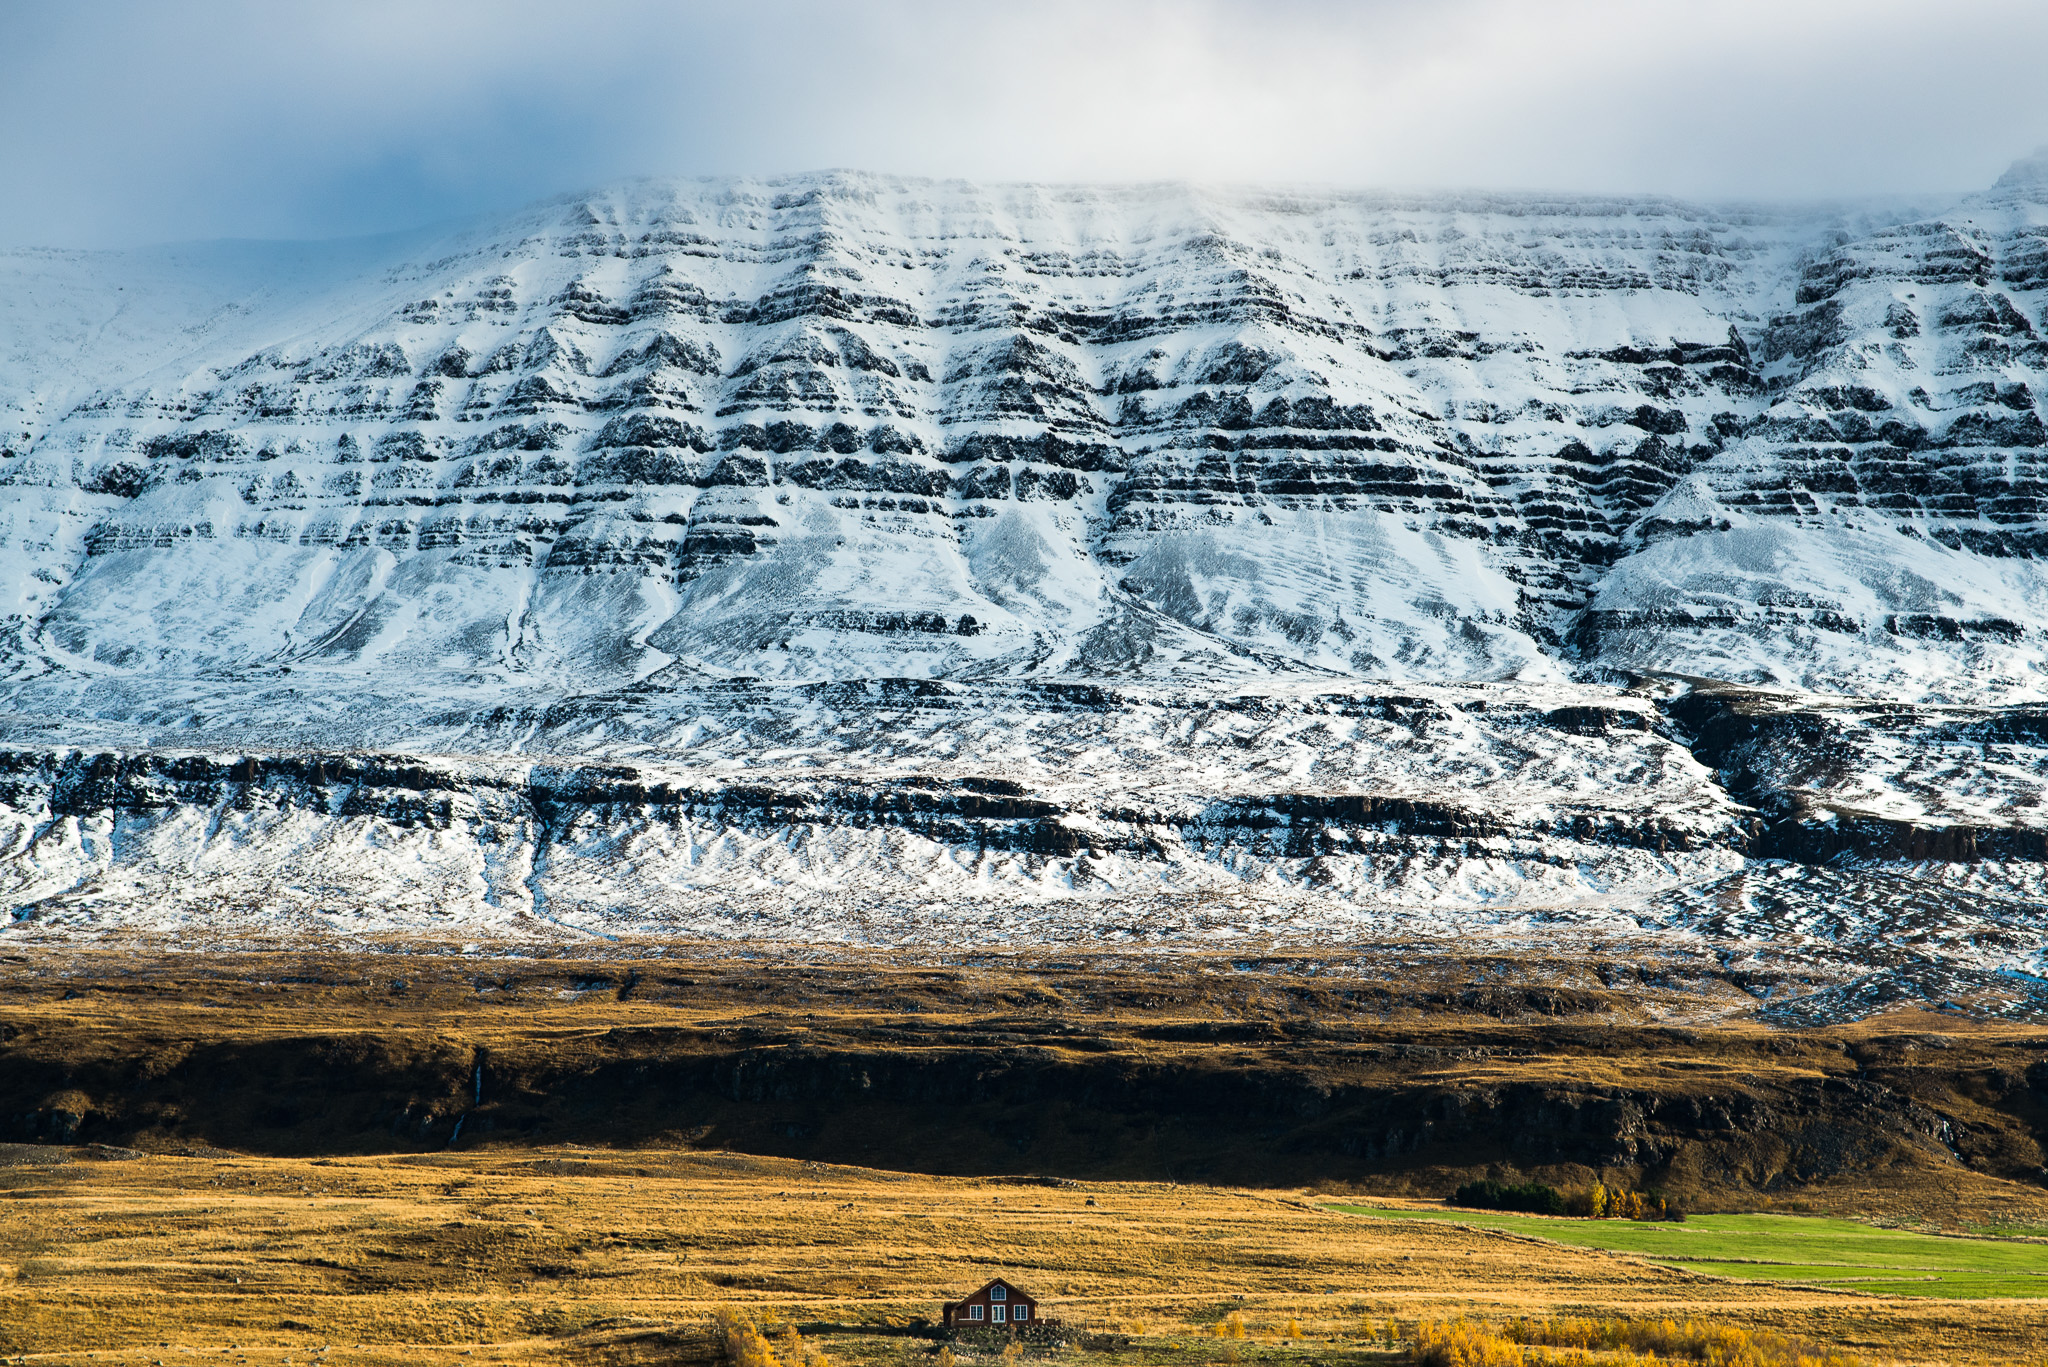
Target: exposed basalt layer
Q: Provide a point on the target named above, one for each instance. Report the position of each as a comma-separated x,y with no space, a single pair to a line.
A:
975,814
1877,781
766,1091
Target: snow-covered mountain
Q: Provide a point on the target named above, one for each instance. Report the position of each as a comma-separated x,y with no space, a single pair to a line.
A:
673,472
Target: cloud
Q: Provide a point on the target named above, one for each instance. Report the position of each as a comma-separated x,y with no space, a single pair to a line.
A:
125,122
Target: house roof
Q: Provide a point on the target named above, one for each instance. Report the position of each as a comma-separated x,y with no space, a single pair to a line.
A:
1004,1282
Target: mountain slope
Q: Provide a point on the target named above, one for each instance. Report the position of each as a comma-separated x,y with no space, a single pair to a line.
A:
678,473
843,425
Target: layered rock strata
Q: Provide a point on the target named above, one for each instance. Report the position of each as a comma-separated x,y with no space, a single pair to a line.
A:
828,556
849,426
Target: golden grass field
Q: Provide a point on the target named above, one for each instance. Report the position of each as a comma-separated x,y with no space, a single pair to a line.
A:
601,1257
453,1159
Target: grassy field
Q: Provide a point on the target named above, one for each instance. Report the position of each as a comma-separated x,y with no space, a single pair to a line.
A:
1790,1248
314,1160
611,1258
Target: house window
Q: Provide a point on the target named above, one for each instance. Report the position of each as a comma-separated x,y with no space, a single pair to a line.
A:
999,1293
1020,1312
974,1312
996,1313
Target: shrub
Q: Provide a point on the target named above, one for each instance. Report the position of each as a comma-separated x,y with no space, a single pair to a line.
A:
1523,1344
744,1345
1459,1344
1231,1326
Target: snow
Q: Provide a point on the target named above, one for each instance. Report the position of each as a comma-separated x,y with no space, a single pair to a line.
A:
834,483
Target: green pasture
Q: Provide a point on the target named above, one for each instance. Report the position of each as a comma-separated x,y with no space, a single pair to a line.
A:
1789,1248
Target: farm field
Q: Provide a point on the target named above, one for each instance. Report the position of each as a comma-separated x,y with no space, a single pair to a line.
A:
1789,1248
617,1257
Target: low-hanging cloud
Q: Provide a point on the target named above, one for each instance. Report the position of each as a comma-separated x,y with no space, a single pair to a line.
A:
128,122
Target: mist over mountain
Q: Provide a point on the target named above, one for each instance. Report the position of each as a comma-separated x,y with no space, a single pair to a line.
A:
840,556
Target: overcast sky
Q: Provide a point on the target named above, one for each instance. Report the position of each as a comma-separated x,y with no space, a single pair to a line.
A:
154,120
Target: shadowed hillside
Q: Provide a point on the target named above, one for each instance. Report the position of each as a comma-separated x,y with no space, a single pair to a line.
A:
1104,1069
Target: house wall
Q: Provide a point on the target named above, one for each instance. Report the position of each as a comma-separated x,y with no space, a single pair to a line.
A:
959,1316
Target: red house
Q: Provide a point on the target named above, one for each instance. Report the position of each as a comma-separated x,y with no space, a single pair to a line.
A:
997,1305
